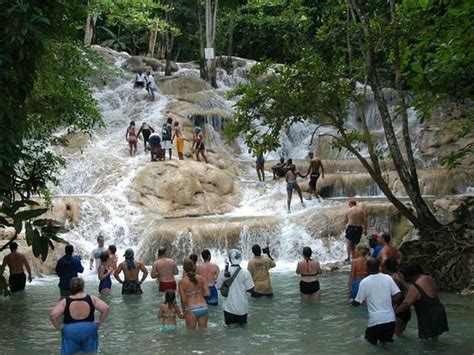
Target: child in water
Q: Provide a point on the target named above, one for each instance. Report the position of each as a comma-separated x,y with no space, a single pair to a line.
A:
168,312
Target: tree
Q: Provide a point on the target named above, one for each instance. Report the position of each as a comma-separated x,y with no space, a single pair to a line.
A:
211,21
42,56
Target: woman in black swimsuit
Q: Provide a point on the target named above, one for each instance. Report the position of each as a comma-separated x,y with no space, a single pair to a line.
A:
309,270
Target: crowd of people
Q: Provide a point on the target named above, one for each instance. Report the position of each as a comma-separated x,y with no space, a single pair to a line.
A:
160,143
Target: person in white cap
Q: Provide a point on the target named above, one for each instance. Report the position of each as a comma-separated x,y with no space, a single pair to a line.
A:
236,306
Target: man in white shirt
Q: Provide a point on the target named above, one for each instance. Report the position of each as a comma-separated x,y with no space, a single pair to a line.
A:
380,292
95,254
236,305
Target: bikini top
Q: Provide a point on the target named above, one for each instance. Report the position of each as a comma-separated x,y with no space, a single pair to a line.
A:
190,293
67,315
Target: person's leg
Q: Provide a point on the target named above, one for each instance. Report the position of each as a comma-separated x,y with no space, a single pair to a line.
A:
130,147
298,190
197,155
191,320
290,193
258,173
202,322
400,327
263,172
106,292
203,153
170,151
315,296
348,247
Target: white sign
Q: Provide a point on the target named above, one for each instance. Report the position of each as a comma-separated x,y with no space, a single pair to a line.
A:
209,53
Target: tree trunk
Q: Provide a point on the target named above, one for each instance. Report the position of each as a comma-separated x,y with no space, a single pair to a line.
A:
211,17
202,42
169,37
230,43
153,37
89,32
424,220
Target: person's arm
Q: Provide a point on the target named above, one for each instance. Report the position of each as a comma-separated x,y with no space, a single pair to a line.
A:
144,271
80,268
399,257
205,289
91,261
216,273
249,285
176,269
57,269
298,272
57,311
346,219
396,297
139,131
351,278
178,311
365,222
101,275
271,263
410,299
160,312
28,268
117,273
103,308
182,295
360,297
126,135
154,271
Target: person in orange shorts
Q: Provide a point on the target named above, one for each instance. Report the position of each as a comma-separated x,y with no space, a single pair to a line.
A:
179,140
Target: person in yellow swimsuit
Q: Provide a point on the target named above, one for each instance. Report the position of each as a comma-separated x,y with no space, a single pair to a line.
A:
179,140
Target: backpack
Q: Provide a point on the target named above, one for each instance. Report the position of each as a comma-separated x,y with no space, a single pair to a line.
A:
227,283
165,132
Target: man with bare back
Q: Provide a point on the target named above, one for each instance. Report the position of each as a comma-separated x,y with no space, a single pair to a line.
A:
209,271
16,263
164,270
314,169
131,270
355,220
388,251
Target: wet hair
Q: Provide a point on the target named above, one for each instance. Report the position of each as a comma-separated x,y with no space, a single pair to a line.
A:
391,265
190,270
194,258
307,252
132,123
169,120
100,236
256,250
206,254
411,271
112,249
373,266
176,123
104,256
282,160
170,298
69,249
310,154
362,249
352,202
76,285
13,246
162,251
289,161
386,237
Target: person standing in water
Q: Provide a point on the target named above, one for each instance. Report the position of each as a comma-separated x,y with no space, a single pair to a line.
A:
145,130
95,254
210,272
259,268
104,273
67,267
355,220
16,263
131,270
198,144
389,251
79,329
380,292
166,138
164,269
309,270
178,135
291,183
150,85
193,290
140,80
260,166
131,138
236,304
168,312
358,270
279,169
423,294
314,169
113,259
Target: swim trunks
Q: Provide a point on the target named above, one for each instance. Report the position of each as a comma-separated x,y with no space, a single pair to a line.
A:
308,288
313,179
230,318
166,144
353,234
199,310
167,285
355,287
291,185
17,282
380,332
258,294
80,337
131,288
105,283
168,328
213,296
180,144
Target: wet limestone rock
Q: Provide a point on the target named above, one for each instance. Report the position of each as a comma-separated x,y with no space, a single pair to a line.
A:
184,188
181,85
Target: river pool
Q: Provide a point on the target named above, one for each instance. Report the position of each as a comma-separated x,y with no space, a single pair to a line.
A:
283,325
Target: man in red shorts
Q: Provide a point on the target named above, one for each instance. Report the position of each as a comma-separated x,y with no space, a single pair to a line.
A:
164,270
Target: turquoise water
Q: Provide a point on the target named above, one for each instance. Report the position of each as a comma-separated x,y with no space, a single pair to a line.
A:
283,325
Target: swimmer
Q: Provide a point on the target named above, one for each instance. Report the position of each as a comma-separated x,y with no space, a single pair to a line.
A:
168,312
355,220
192,290
210,272
164,270
315,168
358,270
16,263
291,183
113,258
132,138
104,273
131,270
259,267
388,251
260,166
309,270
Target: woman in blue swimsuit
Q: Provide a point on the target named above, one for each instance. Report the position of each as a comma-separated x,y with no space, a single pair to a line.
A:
104,273
192,289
